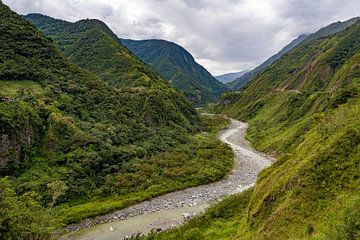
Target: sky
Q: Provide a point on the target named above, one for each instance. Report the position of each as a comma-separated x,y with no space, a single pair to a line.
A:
223,35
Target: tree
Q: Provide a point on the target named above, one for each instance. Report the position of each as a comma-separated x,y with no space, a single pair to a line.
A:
57,188
22,217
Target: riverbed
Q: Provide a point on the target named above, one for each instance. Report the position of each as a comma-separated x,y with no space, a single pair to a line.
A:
170,210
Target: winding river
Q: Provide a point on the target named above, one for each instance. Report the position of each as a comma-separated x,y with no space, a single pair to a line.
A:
169,210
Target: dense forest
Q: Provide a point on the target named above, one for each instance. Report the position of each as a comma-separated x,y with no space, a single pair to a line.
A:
76,135
87,127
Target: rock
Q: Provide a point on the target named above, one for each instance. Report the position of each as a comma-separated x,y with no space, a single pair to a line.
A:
243,175
111,229
186,215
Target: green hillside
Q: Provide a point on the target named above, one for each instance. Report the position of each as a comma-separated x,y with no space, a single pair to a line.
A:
305,109
333,28
179,68
173,62
94,47
241,81
78,143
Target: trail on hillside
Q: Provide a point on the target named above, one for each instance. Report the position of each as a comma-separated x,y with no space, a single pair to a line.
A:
168,210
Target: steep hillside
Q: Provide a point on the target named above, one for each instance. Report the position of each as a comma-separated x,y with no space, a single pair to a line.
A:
240,82
305,108
76,144
229,77
94,47
333,28
177,66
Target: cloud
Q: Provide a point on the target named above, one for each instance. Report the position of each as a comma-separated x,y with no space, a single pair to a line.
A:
223,35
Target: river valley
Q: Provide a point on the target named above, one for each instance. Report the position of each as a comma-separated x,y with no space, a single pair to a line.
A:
170,210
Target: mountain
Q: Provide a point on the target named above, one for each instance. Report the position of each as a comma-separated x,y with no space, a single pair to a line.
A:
241,81
94,47
74,137
304,109
332,29
229,77
90,129
179,67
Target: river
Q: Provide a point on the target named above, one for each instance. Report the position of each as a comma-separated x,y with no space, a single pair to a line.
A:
168,211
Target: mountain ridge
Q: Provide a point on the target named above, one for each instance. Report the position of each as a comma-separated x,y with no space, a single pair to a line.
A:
179,67
304,109
333,28
240,82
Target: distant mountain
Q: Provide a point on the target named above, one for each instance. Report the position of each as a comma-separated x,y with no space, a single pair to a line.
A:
333,28
178,66
229,77
240,82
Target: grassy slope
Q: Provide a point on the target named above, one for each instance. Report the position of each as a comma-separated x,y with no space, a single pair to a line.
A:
301,40
306,109
241,81
71,138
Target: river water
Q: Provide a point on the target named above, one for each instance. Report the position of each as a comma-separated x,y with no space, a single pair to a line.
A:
168,211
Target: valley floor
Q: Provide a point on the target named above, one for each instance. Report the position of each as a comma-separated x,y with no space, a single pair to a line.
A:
167,211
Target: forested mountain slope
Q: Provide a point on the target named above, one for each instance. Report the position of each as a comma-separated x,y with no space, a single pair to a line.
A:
302,39
179,67
76,143
304,108
173,62
94,47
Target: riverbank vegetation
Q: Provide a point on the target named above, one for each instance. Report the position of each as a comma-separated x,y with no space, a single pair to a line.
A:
305,108
72,138
202,159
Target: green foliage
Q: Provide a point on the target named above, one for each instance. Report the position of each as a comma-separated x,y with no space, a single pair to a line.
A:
220,221
334,28
15,88
86,41
73,138
177,66
242,81
201,160
307,112
349,225
22,217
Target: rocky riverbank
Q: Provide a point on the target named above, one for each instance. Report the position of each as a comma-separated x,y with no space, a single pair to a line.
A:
247,165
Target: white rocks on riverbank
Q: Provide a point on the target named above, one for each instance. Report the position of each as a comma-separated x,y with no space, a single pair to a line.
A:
247,165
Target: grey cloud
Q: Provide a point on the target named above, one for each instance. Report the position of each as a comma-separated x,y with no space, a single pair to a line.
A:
224,35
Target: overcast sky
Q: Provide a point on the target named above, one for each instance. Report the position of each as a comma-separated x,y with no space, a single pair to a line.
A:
223,35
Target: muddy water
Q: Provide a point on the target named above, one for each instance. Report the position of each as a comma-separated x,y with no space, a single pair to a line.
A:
167,211
141,223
